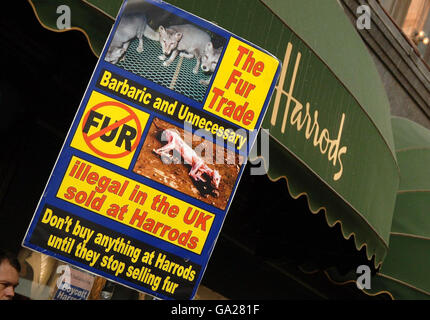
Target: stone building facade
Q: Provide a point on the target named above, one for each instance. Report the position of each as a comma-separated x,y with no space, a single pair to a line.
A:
401,59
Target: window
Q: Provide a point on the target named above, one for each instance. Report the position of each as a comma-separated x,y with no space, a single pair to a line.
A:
412,16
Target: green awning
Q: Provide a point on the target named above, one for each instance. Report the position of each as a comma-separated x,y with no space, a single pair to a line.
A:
404,273
329,124
338,79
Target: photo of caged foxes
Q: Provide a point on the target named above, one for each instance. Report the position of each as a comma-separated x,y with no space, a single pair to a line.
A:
165,48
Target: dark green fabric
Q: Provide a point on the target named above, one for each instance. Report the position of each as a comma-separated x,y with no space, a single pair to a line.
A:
408,260
413,177
409,134
404,273
325,28
412,213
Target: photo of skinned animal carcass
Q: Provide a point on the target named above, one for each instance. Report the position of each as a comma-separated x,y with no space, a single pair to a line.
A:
165,49
188,163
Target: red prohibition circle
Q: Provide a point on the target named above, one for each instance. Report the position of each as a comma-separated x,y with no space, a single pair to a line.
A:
132,116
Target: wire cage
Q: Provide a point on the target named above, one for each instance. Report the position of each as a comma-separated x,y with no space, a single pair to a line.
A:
178,76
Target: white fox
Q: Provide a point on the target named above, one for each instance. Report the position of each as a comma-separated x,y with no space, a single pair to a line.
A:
210,59
132,25
188,41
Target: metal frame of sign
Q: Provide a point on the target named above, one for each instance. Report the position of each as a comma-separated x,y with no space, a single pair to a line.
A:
91,213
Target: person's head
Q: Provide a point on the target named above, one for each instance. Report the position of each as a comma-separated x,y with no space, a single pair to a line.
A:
9,275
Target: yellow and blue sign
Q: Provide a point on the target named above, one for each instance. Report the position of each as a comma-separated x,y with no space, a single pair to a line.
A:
141,187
